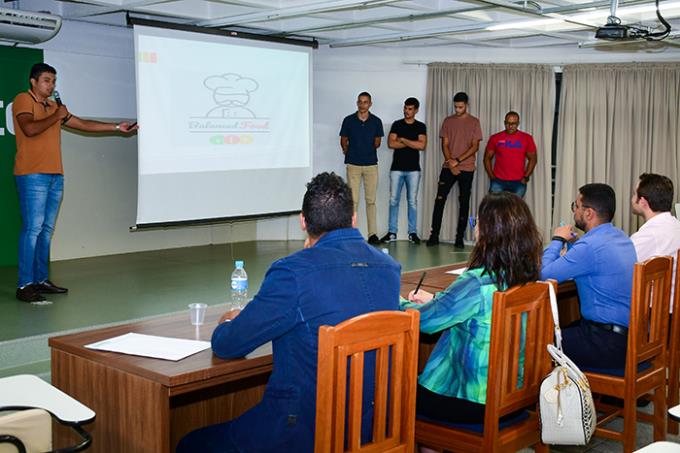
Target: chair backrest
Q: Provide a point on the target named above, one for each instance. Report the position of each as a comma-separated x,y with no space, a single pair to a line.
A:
674,334
650,303
675,303
33,428
521,328
393,336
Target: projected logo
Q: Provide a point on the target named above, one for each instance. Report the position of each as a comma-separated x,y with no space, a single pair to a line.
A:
232,120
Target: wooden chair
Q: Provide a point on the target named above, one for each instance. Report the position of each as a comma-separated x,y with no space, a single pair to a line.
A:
393,336
647,338
674,350
503,396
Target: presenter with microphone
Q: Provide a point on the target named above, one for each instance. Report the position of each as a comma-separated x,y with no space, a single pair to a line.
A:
39,175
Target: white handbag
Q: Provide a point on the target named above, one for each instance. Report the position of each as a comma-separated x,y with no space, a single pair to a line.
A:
567,409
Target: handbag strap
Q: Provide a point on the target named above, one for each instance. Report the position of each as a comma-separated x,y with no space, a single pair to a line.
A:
555,315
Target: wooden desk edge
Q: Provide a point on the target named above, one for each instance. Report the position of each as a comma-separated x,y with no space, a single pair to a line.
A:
223,371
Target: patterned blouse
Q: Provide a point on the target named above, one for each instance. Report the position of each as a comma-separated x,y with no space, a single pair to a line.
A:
458,365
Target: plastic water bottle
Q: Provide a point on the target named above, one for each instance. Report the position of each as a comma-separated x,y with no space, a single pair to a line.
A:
239,286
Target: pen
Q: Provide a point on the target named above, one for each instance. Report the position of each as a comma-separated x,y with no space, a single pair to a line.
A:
420,282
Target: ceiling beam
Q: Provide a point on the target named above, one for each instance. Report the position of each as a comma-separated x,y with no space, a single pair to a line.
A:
107,8
392,19
294,11
409,36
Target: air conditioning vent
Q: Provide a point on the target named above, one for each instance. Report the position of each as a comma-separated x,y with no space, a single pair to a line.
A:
27,27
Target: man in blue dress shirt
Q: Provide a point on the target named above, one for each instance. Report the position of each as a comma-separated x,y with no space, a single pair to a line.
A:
335,277
601,263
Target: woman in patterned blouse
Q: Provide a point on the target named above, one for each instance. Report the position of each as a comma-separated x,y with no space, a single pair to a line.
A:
508,248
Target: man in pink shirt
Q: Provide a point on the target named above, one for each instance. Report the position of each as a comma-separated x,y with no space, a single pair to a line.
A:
460,136
515,158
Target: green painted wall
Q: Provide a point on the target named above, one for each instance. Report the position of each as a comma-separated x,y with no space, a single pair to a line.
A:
15,64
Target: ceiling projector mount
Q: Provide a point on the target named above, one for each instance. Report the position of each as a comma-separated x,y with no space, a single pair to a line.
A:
614,30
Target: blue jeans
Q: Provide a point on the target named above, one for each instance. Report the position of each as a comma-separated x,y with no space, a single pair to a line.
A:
500,185
39,199
397,180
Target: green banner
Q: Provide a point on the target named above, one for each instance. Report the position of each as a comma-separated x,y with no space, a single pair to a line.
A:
16,65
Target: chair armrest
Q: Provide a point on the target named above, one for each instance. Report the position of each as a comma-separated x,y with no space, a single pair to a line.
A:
75,426
674,412
9,439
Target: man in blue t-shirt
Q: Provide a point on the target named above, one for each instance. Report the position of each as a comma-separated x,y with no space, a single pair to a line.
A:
407,138
360,137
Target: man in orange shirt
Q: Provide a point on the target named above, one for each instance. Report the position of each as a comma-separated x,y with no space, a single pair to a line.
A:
39,175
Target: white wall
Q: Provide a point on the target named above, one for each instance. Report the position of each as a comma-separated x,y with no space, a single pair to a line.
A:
338,78
96,80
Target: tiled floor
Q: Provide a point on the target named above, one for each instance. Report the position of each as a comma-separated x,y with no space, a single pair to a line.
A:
645,436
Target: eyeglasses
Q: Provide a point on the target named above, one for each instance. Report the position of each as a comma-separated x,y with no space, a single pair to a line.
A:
511,123
574,206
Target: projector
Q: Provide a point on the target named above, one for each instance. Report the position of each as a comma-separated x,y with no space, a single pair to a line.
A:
612,32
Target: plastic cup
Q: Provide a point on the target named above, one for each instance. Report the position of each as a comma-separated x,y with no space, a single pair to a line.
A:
197,312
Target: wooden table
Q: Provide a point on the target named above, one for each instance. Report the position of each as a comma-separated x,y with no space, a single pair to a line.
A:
438,279
147,405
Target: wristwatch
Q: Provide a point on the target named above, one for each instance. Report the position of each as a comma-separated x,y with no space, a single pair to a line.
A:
117,126
457,160
526,178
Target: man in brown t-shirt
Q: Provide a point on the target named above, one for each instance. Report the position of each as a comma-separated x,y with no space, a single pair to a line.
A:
39,175
460,134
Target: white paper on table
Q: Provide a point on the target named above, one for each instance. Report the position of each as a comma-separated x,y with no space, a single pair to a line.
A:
458,271
165,348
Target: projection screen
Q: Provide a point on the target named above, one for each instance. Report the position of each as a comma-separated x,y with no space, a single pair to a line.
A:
225,126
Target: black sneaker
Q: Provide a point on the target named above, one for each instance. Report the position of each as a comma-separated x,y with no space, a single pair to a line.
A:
47,287
389,237
459,244
434,240
29,294
373,239
412,237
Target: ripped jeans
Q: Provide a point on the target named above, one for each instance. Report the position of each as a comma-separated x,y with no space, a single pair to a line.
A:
445,183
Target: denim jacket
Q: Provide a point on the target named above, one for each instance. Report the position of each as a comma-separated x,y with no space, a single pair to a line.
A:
337,279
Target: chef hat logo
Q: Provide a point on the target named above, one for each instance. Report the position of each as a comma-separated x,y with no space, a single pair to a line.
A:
228,84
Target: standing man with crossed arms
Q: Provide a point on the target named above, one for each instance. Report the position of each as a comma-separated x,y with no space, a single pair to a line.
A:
360,137
407,138
460,134
514,154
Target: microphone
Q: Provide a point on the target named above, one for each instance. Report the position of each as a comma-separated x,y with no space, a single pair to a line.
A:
57,98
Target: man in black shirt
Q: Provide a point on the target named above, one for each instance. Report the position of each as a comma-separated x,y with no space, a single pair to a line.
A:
407,138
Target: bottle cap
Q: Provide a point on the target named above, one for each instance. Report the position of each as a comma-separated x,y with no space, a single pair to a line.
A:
239,264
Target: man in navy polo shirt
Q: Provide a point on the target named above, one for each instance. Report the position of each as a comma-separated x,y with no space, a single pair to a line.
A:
360,137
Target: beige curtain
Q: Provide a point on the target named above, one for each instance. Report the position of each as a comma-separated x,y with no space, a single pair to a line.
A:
493,91
616,122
